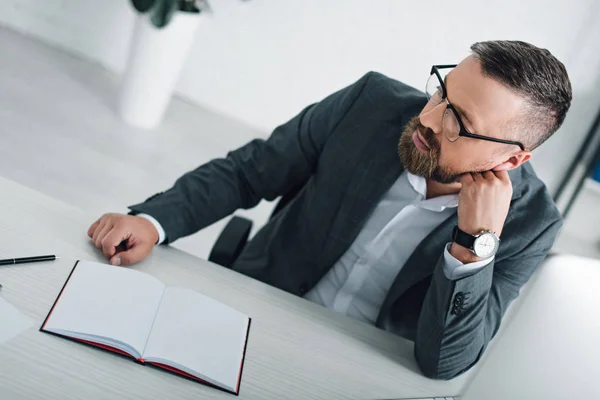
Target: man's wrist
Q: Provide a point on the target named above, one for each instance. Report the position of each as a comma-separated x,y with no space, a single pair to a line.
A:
463,254
160,232
476,231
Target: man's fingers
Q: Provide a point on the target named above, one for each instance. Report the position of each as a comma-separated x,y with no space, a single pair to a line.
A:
488,175
92,228
96,226
131,256
112,240
101,234
477,177
466,179
99,229
503,176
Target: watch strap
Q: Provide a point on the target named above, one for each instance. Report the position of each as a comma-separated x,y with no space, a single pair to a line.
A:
462,238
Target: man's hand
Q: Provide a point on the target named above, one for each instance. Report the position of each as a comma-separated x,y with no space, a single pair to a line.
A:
124,239
483,204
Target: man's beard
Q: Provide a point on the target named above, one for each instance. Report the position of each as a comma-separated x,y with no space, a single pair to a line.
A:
420,163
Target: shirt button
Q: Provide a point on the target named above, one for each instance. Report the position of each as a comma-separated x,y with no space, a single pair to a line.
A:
303,289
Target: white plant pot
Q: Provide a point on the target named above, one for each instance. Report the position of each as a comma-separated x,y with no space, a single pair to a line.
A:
156,58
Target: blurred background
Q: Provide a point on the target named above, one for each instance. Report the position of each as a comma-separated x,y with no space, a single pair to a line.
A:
79,105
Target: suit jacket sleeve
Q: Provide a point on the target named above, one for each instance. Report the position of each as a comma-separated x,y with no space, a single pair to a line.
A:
262,169
460,317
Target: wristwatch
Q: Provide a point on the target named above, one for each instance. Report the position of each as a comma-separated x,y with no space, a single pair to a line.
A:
483,245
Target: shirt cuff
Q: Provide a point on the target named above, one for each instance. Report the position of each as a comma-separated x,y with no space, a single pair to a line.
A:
454,269
157,226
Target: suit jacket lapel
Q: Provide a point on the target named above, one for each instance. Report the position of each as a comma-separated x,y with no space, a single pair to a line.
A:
420,264
424,258
377,170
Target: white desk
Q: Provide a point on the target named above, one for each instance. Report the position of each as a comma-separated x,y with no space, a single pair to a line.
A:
296,349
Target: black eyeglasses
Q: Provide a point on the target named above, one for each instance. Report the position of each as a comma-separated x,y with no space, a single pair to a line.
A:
452,124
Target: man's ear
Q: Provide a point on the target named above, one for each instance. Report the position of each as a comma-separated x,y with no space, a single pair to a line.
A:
514,161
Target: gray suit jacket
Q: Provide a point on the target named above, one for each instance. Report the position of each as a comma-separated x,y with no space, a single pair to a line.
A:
342,152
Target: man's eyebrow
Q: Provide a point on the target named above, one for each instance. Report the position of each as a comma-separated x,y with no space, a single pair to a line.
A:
458,108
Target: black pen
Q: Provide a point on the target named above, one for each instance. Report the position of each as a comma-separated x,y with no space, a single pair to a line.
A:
12,261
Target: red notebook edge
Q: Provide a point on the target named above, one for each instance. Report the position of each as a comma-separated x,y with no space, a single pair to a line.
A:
141,360
57,298
185,375
102,346
243,357
164,367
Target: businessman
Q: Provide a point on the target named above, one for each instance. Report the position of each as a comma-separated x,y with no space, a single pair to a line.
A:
415,212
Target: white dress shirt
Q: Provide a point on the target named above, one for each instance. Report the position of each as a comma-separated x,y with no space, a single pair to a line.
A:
359,282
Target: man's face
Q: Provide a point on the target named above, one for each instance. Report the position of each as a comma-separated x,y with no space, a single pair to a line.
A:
491,107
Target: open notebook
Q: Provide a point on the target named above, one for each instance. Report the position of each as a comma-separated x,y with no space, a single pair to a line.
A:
134,314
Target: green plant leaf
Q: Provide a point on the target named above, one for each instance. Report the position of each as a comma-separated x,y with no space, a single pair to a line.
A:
188,6
163,12
143,5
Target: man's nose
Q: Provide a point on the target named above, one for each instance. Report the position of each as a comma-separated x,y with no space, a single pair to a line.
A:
432,118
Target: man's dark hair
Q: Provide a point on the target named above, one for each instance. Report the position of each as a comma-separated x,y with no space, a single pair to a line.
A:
535,74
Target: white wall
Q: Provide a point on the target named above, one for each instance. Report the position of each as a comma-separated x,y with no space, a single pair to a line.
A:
261,61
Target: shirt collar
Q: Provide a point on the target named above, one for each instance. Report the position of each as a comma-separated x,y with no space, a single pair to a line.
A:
440,203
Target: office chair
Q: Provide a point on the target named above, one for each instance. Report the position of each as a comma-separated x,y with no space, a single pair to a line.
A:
234,236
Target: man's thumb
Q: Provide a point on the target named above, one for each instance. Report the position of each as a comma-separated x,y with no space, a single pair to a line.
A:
130,256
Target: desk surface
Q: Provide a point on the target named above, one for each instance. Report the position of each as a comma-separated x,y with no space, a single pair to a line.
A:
296,349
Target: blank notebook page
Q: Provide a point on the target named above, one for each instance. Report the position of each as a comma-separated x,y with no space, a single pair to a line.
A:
107,301
200,334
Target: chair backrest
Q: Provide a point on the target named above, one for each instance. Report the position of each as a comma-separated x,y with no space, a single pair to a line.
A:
233,238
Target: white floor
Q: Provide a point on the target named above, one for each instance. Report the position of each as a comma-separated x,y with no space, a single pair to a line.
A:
60,135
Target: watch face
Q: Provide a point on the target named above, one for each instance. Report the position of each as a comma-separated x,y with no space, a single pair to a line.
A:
485,245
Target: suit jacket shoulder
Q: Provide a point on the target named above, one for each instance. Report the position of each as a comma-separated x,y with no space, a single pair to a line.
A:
391,94
532,215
